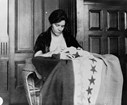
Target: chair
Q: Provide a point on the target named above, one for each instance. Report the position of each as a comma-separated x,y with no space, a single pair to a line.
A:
32,83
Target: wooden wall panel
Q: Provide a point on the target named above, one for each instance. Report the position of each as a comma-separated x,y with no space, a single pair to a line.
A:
95,19
113,45
18,73
95,44
3,75
24,34
113,20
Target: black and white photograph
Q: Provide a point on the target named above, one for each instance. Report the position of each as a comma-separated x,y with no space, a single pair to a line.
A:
63,52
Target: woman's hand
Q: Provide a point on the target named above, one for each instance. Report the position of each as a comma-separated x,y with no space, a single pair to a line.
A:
71,50
79,48
57,51
38,53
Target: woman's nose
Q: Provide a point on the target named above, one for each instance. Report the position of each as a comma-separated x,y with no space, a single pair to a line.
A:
60,28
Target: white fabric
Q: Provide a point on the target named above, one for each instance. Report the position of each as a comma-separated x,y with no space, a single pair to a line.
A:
71,52
83,74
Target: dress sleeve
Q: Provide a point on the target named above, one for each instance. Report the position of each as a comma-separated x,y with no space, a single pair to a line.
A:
39,44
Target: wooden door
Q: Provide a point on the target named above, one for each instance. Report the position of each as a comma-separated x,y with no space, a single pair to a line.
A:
101,29
25,23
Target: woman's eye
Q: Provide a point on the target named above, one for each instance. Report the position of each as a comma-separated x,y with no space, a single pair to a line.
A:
57,25
62,26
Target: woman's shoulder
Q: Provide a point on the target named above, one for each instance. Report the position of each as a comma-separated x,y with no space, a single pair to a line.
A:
41,35
45,34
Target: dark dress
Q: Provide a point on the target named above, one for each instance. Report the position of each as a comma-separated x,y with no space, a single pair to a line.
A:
44,39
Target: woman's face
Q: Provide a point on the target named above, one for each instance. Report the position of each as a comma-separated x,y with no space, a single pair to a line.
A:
57,28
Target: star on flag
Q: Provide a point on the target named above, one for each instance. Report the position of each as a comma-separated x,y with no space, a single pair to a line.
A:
93,69
89,100
93,60
89,90
92,80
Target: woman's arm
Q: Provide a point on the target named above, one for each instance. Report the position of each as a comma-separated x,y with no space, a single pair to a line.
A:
38,53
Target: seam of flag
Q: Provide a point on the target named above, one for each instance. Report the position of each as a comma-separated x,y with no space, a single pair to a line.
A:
87,80
92,80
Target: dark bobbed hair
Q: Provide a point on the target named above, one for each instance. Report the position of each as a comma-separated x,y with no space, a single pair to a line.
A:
57,16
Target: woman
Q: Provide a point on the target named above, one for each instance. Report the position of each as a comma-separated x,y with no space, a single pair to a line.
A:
57,37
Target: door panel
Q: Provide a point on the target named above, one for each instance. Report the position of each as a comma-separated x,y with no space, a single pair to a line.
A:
95,43
24,27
